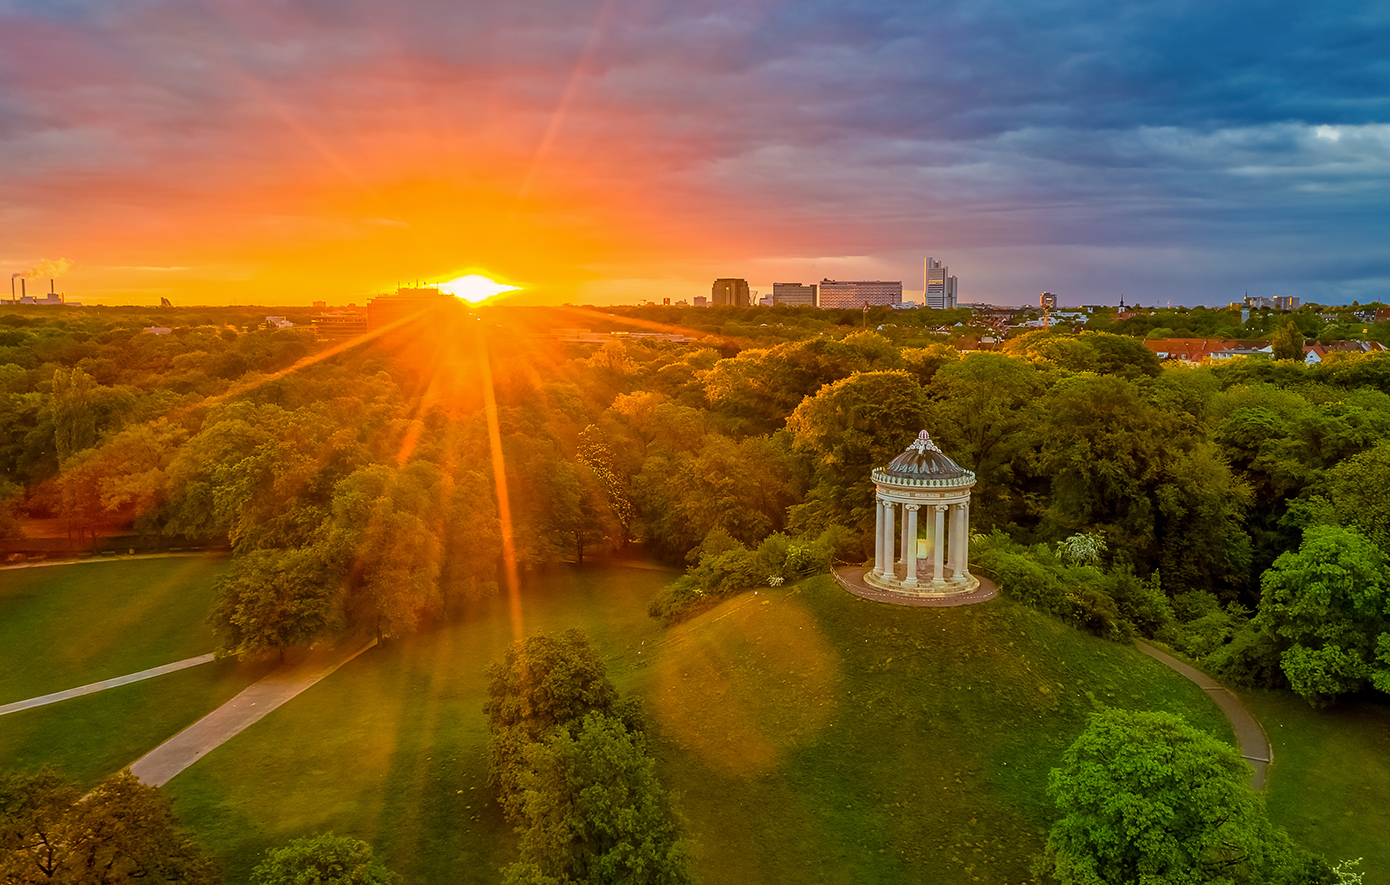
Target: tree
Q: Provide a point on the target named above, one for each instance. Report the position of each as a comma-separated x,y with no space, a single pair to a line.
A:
1287,342
122,833
1146,798
1327,602
325,859
276,599
541,683
386,532
594,811
848,428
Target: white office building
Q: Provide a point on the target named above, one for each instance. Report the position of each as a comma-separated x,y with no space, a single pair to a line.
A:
873,293
940,286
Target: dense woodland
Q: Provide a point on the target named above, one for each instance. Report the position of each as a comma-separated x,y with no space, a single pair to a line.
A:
377,485
1236,511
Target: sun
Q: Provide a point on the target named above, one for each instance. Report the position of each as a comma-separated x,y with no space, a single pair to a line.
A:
475,288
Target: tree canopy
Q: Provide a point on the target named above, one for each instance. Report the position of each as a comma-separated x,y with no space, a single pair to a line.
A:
1146,798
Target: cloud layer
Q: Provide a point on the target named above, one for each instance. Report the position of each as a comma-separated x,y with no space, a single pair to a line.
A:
327,148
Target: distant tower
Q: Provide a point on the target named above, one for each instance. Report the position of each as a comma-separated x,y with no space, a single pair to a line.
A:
729,292
1047,301
940,286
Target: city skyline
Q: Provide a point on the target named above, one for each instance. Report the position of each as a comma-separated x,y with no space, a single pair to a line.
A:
613,152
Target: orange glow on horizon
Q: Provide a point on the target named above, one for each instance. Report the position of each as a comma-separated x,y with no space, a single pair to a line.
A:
475,288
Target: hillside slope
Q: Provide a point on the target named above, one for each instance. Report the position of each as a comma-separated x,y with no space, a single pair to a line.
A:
816,737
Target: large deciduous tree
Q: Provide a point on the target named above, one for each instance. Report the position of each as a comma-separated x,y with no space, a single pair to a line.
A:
276,599
122,833
594,811
1146,798
1329,605
848,428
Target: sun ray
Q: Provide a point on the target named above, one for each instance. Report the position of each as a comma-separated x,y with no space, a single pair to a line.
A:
499,472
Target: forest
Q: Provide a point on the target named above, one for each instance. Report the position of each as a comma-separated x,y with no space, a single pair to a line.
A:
1236,511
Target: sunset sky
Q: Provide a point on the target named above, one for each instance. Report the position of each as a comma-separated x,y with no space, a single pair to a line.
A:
280,152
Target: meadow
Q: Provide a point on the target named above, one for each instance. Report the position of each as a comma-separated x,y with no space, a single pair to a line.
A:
806,735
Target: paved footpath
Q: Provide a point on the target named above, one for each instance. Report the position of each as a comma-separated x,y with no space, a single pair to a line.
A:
1250,736
159,766
94,687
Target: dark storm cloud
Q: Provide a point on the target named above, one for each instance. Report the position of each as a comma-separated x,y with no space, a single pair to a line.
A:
1149,147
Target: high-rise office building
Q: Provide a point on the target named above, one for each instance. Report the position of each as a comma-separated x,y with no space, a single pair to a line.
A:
729,293
794,294
874,293
1047,301
940,286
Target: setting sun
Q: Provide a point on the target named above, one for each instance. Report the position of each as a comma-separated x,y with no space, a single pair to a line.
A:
475,288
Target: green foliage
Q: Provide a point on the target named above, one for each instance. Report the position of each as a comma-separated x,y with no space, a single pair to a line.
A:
541,684
1146,798
594,811
276,599
1327,603
325,859
1287,342
122,833
848,428
725,567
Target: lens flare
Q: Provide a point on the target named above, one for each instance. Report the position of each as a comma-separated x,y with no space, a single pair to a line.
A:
475,288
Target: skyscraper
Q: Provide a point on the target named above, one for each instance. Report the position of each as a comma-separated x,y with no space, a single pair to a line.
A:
729,292
940,286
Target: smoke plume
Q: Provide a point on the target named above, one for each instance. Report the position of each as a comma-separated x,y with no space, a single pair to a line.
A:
47,269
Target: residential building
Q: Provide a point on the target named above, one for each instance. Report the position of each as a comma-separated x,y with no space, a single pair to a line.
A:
730,292
831,294
940,286
701,301
793,295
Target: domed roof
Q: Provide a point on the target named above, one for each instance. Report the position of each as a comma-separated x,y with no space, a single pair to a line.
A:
923,460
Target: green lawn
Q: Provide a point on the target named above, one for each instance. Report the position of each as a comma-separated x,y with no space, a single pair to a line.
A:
391,748
65,626
1330,783
809,736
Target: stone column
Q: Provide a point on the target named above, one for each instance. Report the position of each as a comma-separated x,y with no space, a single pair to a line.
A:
938,574
932,539
888,535
911,557
963,557
953,560
902,557
878,536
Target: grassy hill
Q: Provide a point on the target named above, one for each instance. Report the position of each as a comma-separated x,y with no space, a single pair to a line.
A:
808,735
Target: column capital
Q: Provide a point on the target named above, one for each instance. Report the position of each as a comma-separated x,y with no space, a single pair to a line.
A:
911,506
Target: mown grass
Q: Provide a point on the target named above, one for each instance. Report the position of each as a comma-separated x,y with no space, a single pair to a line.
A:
1330,782
392,747
817,737
809,736
67,625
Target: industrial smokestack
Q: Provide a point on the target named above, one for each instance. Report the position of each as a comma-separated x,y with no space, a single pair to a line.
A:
21,287
51,290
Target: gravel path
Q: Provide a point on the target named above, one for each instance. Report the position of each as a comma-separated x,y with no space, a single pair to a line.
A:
159,766
94,687
1250,736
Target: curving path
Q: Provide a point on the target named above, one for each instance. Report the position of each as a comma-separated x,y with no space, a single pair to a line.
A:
1250,736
